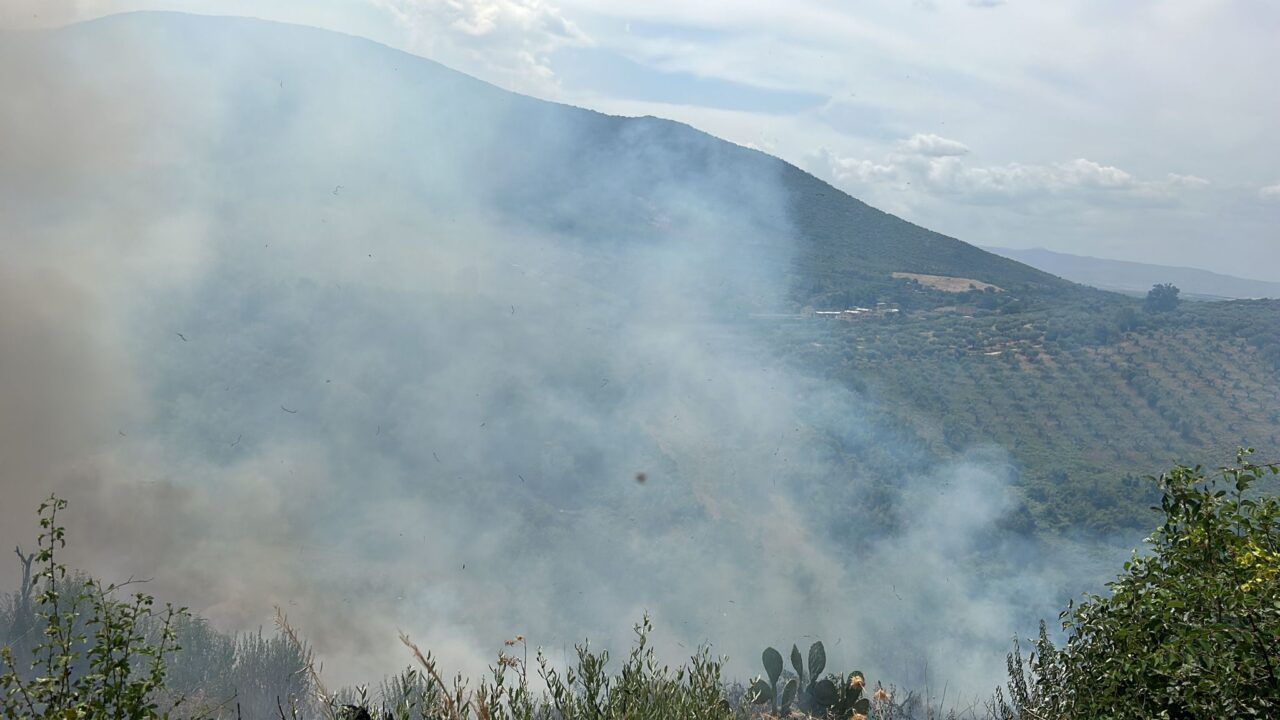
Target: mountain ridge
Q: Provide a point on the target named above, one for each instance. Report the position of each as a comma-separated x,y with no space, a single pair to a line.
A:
838,233
1136,277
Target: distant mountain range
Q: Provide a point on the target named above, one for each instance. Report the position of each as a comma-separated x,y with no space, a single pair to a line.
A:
1134,277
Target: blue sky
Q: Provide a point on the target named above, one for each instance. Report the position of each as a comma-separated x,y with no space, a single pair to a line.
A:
1137,130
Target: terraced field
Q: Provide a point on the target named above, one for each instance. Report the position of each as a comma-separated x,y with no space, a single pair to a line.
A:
1071,414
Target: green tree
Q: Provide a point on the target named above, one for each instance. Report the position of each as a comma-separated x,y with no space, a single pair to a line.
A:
1190,630
1162,298
97,659
1127,319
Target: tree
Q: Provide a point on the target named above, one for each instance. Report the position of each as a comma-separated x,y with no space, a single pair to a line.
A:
1162,298
99,657
1127,318
1189,630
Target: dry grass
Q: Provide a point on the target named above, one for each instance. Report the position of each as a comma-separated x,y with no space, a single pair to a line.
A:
946,283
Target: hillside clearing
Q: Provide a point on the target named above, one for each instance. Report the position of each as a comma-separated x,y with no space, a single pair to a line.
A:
946,283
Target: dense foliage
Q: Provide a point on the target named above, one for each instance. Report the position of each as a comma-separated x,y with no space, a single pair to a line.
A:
95,658
1189,630
1162,298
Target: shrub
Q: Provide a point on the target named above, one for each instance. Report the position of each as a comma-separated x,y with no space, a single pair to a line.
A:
1162,298
96,659
1190,630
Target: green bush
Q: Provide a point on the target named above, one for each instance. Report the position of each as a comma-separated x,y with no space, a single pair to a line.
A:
1189,630
1161,298
96,659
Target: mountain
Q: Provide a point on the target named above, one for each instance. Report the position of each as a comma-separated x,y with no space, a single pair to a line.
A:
1134,277
389,117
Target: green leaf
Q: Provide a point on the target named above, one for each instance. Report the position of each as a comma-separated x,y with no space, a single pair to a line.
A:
817,659
796,661
863,706
772,664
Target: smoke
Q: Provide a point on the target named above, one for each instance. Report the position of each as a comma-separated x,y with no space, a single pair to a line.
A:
28,14
296,320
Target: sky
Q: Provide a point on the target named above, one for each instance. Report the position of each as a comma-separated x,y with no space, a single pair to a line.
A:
1138,131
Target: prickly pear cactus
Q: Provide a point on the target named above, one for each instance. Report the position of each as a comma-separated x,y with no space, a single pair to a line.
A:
836,696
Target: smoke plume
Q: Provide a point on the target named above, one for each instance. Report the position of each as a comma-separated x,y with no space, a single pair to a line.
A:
293,319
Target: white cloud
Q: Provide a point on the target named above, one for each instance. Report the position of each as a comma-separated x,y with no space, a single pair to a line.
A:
1017,84
1080,205
931,164
1087,173
508,41
1177,180
854,171
933,145
986,3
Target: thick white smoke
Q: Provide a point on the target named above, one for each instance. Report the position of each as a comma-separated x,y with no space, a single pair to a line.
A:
293,319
